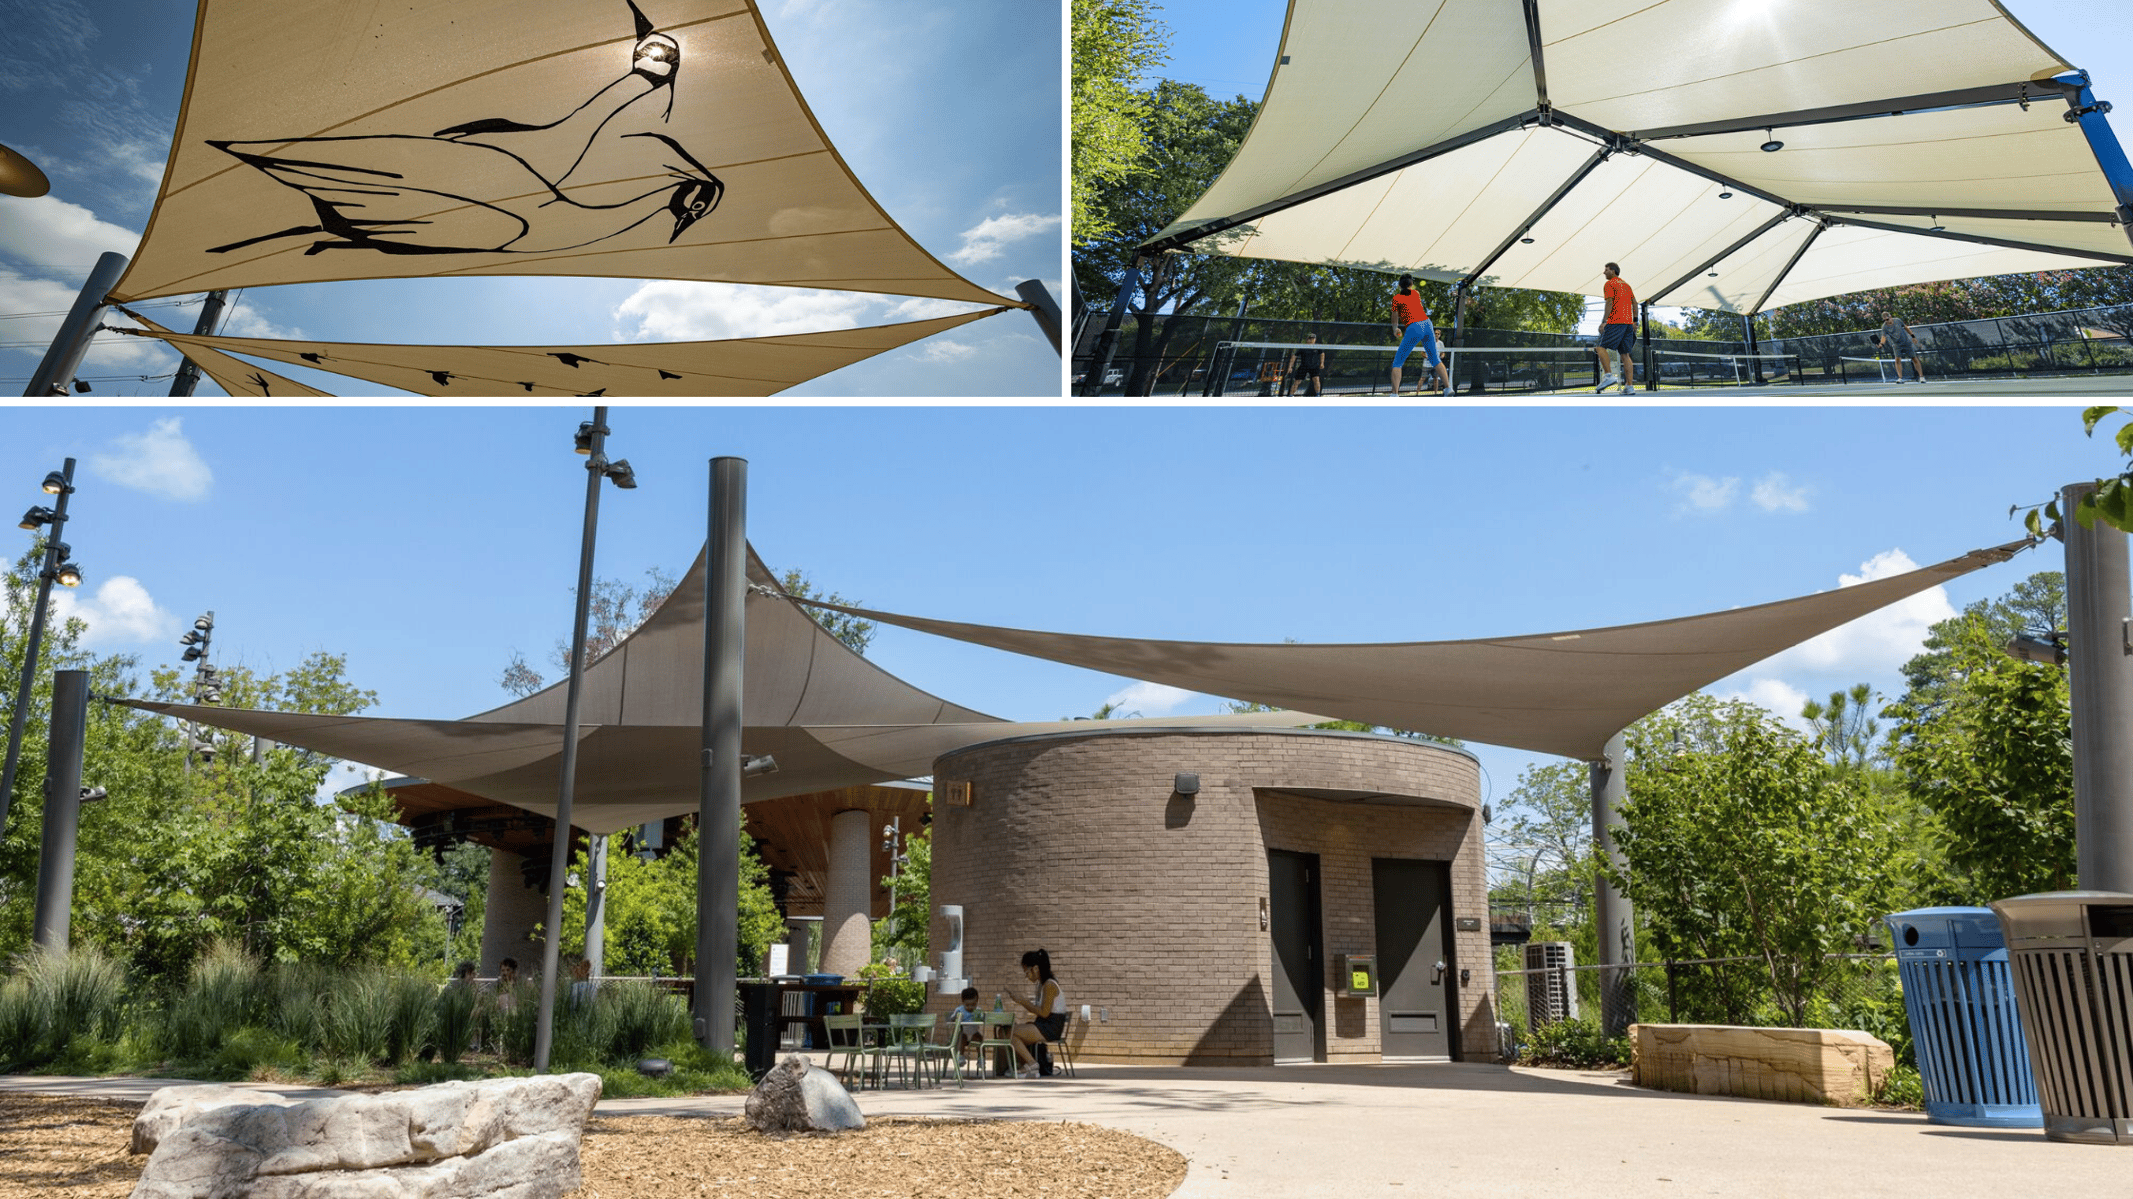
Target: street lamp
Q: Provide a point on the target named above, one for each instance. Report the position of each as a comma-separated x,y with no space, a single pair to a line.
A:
57,569
591,441
207,685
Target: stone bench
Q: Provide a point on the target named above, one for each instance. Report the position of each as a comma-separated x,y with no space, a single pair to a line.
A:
1796,1065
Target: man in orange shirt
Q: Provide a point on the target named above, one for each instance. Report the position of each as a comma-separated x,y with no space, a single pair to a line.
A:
1411,324
1618,332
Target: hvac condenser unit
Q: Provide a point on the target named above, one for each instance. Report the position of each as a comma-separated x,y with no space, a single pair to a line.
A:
1551,989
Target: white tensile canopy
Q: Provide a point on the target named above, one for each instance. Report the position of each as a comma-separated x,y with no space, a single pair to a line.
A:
746,366
1526,144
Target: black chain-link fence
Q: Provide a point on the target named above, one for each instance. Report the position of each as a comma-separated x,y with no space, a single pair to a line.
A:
1199,355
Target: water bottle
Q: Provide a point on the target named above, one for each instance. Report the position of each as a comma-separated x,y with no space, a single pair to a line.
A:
999,1001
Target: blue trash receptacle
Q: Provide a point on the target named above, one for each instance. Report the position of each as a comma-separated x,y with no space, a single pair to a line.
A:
1965,1023
815,1005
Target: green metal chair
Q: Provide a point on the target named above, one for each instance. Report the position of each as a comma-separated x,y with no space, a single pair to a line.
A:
999,1037
845,1036
906,1044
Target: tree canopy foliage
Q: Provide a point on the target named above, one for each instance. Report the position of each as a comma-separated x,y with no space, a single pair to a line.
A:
2107,287
1114,42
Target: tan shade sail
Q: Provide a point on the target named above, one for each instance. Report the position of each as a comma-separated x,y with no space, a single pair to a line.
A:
233,375
1553,693
629,774
1527,144
654,139
749,366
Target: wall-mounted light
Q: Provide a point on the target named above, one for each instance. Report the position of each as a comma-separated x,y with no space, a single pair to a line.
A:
1185,784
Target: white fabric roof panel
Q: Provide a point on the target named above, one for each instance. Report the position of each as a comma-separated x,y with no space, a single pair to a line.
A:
1655,220
1366,83
1997,157
1742,276
1626,69
1437,219
1634,64
1848,259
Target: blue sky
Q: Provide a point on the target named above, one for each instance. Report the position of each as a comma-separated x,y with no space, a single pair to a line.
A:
947,110
430,544
1227,47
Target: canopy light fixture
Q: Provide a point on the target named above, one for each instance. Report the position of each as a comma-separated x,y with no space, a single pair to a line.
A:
56,483
1725,195
36,518
82,386
1525,241
1773,145
1712,275
69,575
1936,226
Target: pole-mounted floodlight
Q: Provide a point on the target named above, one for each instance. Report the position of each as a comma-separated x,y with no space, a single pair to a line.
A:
590,440
758,766
92,794
2046,651
204,622
56,569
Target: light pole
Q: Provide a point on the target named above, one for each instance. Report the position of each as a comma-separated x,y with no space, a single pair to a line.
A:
891,843
57,569
207,684
592,442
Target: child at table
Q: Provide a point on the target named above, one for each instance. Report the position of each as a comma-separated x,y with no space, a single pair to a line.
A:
962,1039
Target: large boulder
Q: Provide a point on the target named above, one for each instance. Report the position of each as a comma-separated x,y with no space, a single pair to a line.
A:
798,1097
172,1106
510,1138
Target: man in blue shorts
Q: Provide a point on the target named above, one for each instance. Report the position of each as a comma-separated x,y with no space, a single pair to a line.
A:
1618,332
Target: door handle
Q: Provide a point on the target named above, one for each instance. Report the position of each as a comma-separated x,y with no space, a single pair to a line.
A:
1438,980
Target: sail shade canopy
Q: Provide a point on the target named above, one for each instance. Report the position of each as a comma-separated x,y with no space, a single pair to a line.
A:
654,139
749,366
1553,693
1466,142
233,375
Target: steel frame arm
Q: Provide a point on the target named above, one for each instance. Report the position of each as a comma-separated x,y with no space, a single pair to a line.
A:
1548,205
1779,279
1722,255
2019,92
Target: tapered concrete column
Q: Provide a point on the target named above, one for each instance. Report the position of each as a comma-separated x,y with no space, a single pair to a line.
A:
2100,681
513,913
1616,919
799,941
847,895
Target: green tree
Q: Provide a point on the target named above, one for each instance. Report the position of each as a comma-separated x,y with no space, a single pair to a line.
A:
1743,843
1543,856
906,935
2036,605
650,918
1988,747
1114,43
1845,728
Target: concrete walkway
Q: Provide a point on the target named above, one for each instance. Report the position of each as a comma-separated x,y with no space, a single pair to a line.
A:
1467,1130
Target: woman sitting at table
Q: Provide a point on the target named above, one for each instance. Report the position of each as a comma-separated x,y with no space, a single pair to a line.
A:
1048,1007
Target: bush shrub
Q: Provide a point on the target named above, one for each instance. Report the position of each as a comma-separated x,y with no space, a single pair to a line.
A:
1901,1088
455,1021
894,997
225,992
1577,1043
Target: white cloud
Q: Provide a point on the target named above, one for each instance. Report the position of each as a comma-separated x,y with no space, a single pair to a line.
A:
1149,699
941,349
49,232
1779,697
989,238
121,613
160,461
1775,492
678,310
244,320
22,293
1702,493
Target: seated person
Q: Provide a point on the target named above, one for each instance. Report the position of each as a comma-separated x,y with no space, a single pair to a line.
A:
963,1040
1048,1007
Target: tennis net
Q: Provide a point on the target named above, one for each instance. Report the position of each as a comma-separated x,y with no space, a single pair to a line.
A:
1689,368
1281,368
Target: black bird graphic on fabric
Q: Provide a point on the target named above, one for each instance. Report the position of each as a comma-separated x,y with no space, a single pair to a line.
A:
259,381
444,378
313,359
668,375
572,360
491,185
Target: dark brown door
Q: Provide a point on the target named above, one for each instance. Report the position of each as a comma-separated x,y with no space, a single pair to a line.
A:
1415,966
1299,990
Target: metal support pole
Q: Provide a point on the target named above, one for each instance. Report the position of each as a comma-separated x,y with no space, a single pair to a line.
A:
1107,341
2100,679
1451,364
1651,369
1616,919
2084,110
596,904
559,856
210,316
45,579
718,814
1755,365
1043,307
64,357
62,810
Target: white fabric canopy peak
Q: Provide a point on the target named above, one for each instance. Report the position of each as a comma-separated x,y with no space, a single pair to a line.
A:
749,366
632,138
1553,693
1526,144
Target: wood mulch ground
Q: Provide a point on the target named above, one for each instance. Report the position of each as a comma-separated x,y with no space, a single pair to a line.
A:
76,1148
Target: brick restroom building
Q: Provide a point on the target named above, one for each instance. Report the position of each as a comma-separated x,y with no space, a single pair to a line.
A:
1202,928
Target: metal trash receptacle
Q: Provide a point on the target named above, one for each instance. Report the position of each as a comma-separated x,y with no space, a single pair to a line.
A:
1965,1023
761,1020
2072,958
